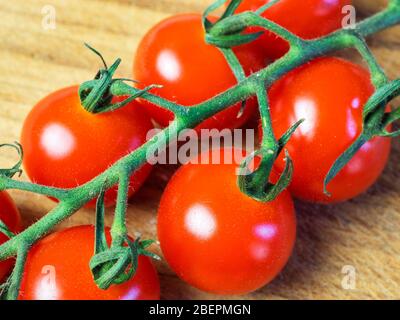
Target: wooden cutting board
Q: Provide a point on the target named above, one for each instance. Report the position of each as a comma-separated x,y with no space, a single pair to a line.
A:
363,233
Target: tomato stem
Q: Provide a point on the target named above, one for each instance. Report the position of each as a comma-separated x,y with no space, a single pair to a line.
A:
52,192
5,230
378,76
118,229
17,274
119,88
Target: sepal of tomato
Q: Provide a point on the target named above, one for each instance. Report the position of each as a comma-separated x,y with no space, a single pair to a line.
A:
174,54
10,216
57,268
65,146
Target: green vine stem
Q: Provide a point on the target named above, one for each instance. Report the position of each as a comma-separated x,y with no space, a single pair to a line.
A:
15,278
118,230
96,95
5,230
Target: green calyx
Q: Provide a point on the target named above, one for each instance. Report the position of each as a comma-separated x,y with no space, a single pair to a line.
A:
257,184
117,263
227,31
96,95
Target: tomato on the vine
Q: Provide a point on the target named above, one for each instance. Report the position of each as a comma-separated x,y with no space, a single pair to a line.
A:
57,268
218,239
306,18
174,54
329,93
9,215
66,146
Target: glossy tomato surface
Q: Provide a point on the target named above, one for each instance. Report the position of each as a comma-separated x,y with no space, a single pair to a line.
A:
306,18
174,54
10,216
57,268
218,239
66,146
329,93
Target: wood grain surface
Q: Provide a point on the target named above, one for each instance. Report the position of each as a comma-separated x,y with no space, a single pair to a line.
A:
363,233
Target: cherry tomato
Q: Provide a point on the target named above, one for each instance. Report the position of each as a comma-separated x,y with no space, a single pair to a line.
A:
216,238
66,146
174,54
10,216
329,93
306,18
57,268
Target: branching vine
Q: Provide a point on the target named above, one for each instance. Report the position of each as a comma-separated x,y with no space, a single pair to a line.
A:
117,263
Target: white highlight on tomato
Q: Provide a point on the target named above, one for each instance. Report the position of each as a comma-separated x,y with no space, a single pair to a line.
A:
355,103
265,231
168,65
132,294
259,252
200,222
306,109
47,286
57,140
325,7
352,128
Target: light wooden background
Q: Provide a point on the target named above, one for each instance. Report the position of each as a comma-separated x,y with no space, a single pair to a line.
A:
364,233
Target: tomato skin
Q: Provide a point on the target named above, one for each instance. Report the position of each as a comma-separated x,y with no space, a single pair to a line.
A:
218,239
329,93
9,214
67,253
313,19
66,146
175,55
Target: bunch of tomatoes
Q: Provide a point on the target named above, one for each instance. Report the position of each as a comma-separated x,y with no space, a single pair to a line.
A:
213,236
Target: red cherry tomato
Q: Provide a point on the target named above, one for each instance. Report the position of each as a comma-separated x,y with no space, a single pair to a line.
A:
216,238
10,216
66,146
329,93
57,268
174,54
306,18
